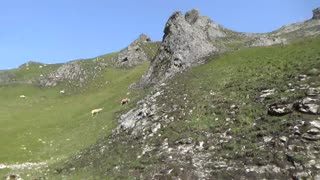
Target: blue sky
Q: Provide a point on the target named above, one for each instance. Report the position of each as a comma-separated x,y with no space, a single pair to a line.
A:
52,31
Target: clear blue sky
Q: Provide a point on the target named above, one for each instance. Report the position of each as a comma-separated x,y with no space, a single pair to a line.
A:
53,31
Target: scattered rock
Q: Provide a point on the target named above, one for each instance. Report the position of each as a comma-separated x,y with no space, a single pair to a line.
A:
315,123
267,139
71,71
301,175
313,91
313,131
310,137
308,105
283,139
184,141
266,41
279,109
266,93
302,77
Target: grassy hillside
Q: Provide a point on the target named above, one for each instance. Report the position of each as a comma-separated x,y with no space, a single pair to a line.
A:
219,96
49,126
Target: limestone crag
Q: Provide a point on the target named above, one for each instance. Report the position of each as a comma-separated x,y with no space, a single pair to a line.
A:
133,54
69,72
266,41
187,39
316,13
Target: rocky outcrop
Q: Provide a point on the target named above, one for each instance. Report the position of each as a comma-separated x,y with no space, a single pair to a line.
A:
5,77
187,39
266,41
133,54
69,72
316,13
279,109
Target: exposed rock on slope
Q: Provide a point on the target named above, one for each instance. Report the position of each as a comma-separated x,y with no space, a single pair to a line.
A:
187,39
69,72
301,29
5,77
266,41
316,13
133,54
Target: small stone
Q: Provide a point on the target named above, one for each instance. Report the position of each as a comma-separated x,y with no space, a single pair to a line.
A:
200,146
283,139
184,141
315,124
313,91
267,139
266,93
302,175
313,131
234,106
311,138
311,163
308,105
302,77
279,109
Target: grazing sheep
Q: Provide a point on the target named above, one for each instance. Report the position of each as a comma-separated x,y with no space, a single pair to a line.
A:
125,101
96,111
23,96
62,92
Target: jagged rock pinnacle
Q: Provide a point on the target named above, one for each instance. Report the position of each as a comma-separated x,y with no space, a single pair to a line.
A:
187,39
316,13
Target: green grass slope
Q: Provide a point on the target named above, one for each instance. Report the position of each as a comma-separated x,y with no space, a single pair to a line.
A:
47,125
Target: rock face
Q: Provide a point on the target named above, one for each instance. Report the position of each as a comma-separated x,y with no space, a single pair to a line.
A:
316,13
71,71
133,54
266,41
187,39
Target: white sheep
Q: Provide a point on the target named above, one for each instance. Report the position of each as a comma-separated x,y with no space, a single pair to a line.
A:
23,96
62,92
96,111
